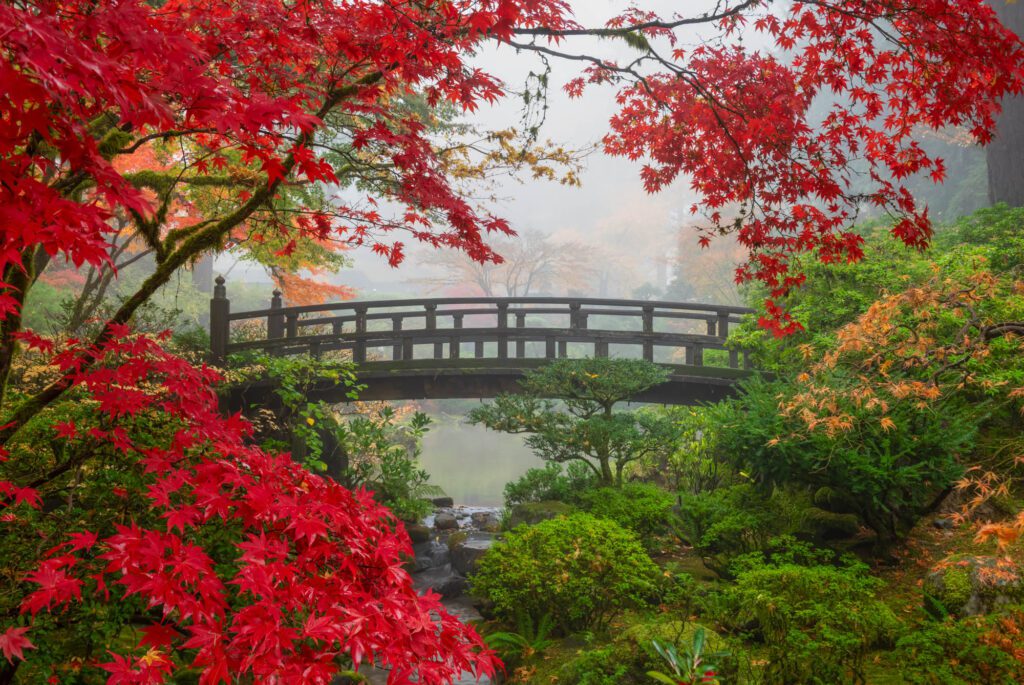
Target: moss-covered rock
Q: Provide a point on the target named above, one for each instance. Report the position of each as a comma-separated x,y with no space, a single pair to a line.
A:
418,533
532,513
830,525
968,585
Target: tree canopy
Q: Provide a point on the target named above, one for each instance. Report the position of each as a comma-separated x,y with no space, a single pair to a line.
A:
281,122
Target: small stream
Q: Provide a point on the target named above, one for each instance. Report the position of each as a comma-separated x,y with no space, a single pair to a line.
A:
472,465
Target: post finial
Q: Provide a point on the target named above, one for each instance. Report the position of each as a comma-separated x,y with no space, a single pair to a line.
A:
219,291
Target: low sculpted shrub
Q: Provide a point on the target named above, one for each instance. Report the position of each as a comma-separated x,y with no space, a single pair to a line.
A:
639,507
817,623
725,523
628,658
579,569
552,482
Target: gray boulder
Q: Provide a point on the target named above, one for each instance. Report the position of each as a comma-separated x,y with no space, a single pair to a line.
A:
443,502
446,521
486,521
466,553
431,555
417,533
444,580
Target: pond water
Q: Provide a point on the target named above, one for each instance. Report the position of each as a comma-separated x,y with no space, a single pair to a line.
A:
472,464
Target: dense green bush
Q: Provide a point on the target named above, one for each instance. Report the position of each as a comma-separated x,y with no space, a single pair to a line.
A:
817,623
725,523
601,666
960,652
579,569
889,474
552,482
639,507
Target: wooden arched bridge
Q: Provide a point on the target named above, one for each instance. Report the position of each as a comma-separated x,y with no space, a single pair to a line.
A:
473,347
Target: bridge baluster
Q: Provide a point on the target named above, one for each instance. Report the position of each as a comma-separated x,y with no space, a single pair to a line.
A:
502,328
455,346
432,326
698,355
563,349
520,343
220,331
601,348
648,330
734,361
292,326
478,349
359,345
549,347
396,327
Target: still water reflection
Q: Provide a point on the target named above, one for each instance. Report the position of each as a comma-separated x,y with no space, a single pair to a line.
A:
472,464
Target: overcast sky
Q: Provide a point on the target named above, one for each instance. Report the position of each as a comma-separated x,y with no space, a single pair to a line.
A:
611,207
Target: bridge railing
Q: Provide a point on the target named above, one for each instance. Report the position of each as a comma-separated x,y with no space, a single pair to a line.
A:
474,327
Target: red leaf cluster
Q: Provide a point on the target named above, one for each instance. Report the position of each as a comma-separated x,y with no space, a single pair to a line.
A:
318,569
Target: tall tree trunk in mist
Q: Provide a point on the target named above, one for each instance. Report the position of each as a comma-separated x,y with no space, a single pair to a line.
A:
1006,151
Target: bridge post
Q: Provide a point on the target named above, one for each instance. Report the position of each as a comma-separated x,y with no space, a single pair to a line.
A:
359,347
220,309
275,322
396,349
723,325
601,348
648,328
520,343
574,316
502,330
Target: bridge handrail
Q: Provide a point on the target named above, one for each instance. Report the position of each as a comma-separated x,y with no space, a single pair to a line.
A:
356,305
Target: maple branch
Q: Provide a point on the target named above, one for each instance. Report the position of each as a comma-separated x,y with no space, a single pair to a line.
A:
195,244
163,135
660,25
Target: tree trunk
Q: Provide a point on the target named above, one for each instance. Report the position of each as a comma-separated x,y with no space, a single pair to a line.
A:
1005,154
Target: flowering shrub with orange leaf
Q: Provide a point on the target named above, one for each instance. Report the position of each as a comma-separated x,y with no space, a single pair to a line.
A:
951,346
832,452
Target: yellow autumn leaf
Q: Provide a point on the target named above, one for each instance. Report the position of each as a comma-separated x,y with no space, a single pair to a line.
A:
887,424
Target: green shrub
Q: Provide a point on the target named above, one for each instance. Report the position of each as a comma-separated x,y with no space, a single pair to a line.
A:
553,482
631,654
817,623
889,473
725,523
961,652
639,507
600,666
579,569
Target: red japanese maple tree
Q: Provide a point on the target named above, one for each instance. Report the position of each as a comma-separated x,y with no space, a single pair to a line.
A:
256,96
